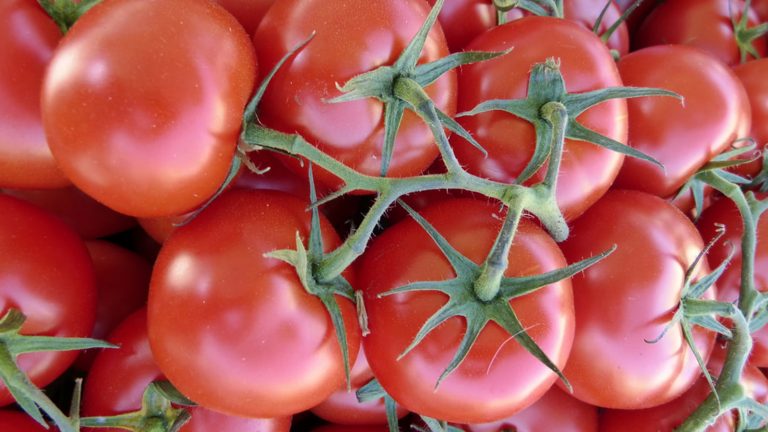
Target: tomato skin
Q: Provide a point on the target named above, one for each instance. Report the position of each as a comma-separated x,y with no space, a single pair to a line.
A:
46,274
176,133
547,414
705,24
352,37
85,215
723,211
118,378
752,75
487,386
682,136
587,170
28,38
248,12
16,421
628,298
255,343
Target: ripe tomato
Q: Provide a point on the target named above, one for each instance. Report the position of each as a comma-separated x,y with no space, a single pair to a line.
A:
752,75
148,132
488,385
547,414
16,421
682,136
118,378
724,212
87,216
248,12
352,37
587,170
28,38
254,342
705,24
45,273
629,298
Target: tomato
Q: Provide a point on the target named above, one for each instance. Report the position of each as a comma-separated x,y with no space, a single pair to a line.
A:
487,385
587,170
248,12
586,13
87,216
761,9
253,341
46,274
668,416
463,20
148,147
682,136
629,298
122,281
555,411
347,428
342,407
752,75
352,37
724,212
118,378
28,38
638,15
705,24
16,421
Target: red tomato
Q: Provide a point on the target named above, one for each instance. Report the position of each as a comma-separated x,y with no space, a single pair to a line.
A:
16,421
547,414
587,170
629,298
45,273
638,15
27,40
724,211
87,216
148,147
342,407
488,385
761,9
122,281
705,24
752,75
682,136
347,428
248,12
118,378
254,342
352,37
586,13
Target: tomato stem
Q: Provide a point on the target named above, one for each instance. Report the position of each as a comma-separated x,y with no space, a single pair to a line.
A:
488,283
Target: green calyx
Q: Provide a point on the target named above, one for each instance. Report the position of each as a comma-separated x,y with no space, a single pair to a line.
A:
65,12
400,86
28,396
546,85
157,413
745,36
463,300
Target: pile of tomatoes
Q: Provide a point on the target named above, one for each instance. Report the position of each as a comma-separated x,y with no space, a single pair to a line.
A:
365,215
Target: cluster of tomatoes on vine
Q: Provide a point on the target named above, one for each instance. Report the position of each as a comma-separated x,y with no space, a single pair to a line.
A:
477,215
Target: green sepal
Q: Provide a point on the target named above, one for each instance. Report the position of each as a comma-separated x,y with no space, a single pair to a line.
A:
434,425
464,302
428,73
746,36
752,415
66,12
28,396
157,414
170,392
373,391
531,6
546,85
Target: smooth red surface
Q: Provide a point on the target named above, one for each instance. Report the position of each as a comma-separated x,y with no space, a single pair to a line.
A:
498,377
148,147
587,170
705,24
629,298
28,38
17,421
685,135
46,273
752,75
352,37
255,342
118,378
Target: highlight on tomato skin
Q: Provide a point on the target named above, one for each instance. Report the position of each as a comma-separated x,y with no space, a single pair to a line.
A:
255,343
148,147
629,299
